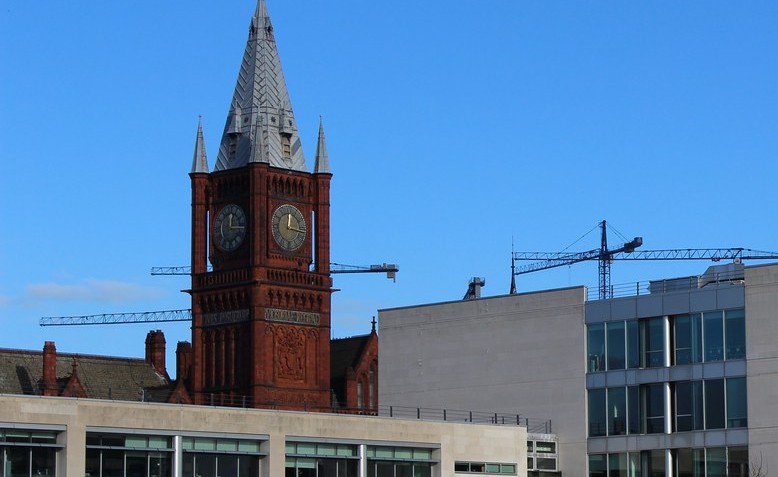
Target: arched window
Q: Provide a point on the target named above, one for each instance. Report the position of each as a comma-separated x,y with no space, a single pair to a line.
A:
359,395
372,387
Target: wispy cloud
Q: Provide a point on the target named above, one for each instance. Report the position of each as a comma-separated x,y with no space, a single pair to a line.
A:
101,291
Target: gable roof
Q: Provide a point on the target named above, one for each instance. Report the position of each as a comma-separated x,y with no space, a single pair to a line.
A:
345,354
101,377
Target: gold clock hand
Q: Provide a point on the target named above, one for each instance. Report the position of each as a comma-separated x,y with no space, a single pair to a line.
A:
289,221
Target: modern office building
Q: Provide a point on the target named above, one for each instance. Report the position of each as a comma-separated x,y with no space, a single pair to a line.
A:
679,379
59,436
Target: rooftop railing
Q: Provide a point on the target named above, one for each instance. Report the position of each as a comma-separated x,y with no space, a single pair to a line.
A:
728,277
533,425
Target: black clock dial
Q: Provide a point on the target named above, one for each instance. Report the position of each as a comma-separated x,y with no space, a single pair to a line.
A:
288,227
230,228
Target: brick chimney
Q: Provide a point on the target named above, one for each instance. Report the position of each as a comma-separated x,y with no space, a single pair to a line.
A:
49,369
155,351
183,360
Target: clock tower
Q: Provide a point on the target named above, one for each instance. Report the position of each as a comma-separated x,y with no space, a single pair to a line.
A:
261,311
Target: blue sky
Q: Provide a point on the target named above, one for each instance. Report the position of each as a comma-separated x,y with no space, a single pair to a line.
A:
454,129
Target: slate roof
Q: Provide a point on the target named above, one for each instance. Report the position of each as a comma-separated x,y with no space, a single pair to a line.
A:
261,117
103,377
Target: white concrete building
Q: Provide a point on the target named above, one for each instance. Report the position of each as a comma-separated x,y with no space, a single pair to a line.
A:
678,380
90,437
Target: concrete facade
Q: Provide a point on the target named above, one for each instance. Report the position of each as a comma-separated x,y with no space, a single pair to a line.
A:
74,419
527,353
761,296
516,353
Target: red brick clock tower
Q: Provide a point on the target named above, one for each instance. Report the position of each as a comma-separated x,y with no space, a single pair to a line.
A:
261,317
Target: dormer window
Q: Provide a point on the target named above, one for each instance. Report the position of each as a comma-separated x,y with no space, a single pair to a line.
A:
286,148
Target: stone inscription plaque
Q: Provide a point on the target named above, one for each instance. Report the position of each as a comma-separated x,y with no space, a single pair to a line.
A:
291,316
224,317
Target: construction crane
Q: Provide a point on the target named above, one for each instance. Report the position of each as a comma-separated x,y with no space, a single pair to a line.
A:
186,315
604,256
389,268
118,318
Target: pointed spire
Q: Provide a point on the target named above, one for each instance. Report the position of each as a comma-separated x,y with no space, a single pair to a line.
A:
513,290
513,271
260,125
322,164
200,161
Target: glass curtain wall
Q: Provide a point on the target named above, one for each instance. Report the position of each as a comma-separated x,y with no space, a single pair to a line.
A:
321,460
399,462
710,336
698,462
114,455
27,459
620,345
616,345
218,457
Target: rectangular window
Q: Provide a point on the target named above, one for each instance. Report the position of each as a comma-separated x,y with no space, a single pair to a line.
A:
129,456
598,465
634,464
653,463
17,461
616,345
735,333
737,463
716,462
544,447
737,405
32,452
595,346
633,406
654,342
617,465
545,463
597,419
714,404
713,328
653,401
394,469
688,339
633,347
617,411
688,406
690,463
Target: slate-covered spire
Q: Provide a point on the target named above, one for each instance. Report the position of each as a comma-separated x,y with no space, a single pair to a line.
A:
322,163
200,161
260,125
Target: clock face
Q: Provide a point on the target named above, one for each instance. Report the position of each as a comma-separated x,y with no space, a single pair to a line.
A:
289,227
230,228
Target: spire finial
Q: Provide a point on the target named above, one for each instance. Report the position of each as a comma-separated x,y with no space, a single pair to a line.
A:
513,270
373,323
200,161
322,164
